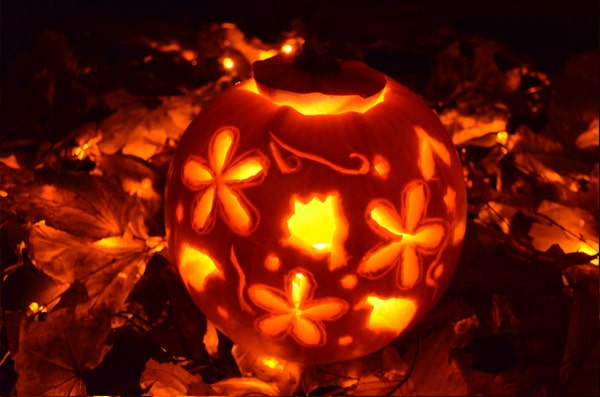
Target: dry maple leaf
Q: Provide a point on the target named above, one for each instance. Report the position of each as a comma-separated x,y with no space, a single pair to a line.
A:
108,267
53,354
81,204
140,131
87,230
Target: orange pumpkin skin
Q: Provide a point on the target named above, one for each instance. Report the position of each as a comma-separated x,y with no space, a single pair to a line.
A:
315,237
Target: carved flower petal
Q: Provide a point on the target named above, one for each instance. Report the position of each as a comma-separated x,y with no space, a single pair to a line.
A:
238,212
222,148
409,268
382,217
269,299
325,309
308,332
274,325
430,236
203,216
196,173
249,169
416,198
380,260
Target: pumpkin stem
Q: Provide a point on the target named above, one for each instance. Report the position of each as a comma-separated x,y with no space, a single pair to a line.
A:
317,57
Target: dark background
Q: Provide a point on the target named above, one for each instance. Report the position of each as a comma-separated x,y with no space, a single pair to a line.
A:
546,31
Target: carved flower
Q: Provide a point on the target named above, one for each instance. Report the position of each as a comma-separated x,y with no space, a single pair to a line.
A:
294,311
409,236
218,183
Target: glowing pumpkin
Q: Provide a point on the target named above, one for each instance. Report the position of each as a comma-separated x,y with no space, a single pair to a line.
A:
314,217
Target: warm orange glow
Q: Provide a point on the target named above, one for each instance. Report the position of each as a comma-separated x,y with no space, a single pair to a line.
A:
409,235
220,179
228,63
294,311
211,339
430,147
287,49
299,289
110,242
272,362
318,228
241,283
202,207
502,137
272,263
587,249
189,55
450,200
142,189
349,281
80,152
386,217
196,267
437,273
381,166
392,315
179,212
289,164
316,103
11,161
344,340
223,312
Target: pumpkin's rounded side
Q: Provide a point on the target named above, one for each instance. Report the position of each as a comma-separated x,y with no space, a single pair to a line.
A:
348,229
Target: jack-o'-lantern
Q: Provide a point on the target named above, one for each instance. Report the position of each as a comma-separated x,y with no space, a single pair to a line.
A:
315,215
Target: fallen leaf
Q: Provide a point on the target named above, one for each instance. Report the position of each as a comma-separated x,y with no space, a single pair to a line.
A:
108,268
167,379
574,229
244,386
84,205
54,353
589,138
285,375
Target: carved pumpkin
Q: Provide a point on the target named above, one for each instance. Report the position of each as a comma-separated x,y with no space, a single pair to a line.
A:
314,217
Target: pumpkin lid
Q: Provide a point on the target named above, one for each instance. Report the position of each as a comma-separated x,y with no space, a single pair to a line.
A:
296,75
315,87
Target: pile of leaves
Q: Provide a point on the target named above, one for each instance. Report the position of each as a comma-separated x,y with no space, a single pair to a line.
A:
91,304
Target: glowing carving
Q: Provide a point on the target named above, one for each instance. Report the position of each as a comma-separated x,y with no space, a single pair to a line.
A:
410,236
241,283
211,339
179,212
220,179
392,315
293,164
344,340
381,166
318,227
428,147
349,281
433,275
272,263
196,267
293,311
223,312
316,103
450,200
